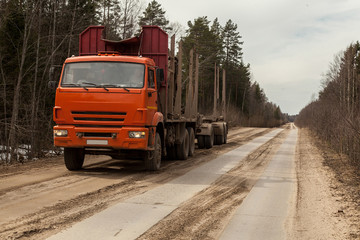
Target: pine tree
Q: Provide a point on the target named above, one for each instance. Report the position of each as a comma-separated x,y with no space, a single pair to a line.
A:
217,31
206,43
232,44
154,15
238,76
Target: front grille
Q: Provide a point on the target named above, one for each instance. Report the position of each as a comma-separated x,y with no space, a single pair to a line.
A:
99,119
99,113
98,116
98,126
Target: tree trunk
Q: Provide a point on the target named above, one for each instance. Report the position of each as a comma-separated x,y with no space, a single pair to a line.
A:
53,34
4,107
72,27
34,102
16,101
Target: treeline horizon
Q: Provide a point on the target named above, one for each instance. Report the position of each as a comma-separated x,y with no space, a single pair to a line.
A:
37,35
335,115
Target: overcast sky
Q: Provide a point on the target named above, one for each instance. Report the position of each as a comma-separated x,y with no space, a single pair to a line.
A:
288,43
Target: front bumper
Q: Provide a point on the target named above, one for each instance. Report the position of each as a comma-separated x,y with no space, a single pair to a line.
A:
111,138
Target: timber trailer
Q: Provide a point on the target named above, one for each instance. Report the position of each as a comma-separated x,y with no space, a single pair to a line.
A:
124,98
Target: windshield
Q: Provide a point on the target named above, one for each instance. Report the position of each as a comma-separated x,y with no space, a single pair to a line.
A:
103,74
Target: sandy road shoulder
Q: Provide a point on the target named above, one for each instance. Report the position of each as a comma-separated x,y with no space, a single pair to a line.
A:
322,210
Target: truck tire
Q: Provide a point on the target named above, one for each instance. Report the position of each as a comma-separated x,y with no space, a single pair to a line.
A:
225,134
191,141
74,158
152,158
209,140
201,141
171,153
182,150
219,139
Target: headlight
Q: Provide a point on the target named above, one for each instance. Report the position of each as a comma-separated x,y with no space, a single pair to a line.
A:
136,134
60,133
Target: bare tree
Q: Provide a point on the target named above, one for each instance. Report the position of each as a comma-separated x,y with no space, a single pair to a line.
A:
130,10
335,116
30,13
35,98
72,26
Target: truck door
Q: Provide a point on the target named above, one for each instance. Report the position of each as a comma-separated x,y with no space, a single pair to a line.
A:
151,94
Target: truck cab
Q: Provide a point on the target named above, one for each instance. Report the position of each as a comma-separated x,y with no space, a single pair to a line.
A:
105,100
107,103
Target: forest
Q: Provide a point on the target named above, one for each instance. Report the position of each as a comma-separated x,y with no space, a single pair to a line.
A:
36,36
335,115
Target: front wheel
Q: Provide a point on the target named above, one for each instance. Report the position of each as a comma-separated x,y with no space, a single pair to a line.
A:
74,158
152,158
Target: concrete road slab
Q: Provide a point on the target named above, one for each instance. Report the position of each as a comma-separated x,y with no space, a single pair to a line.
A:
264,211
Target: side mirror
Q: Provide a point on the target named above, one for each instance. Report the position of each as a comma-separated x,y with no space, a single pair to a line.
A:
54,72
159,77
52,85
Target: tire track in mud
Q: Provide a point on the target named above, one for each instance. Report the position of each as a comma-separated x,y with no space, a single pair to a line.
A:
39,173
204,216
112,181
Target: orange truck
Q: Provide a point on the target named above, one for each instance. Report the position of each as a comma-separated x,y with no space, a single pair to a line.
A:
123,98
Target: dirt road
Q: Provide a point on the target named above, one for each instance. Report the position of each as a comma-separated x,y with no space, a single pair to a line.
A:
42,198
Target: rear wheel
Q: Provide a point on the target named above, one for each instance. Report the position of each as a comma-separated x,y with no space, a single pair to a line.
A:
209,140
191,141
171,153
201,141
182,150
152,158
219,139
74,158
225,134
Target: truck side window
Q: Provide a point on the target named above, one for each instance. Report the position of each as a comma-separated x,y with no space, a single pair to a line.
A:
151,82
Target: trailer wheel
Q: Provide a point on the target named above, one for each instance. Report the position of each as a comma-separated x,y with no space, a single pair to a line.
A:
74,158
201,141
209,140
219,139
152,158
191,141
225,134
182,150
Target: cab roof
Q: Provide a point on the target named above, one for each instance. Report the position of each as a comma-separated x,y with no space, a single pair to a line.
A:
111,58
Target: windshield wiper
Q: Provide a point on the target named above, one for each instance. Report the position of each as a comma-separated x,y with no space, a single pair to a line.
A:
109,85
73,85
88,83
104,86
70,85
124,87
95,85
